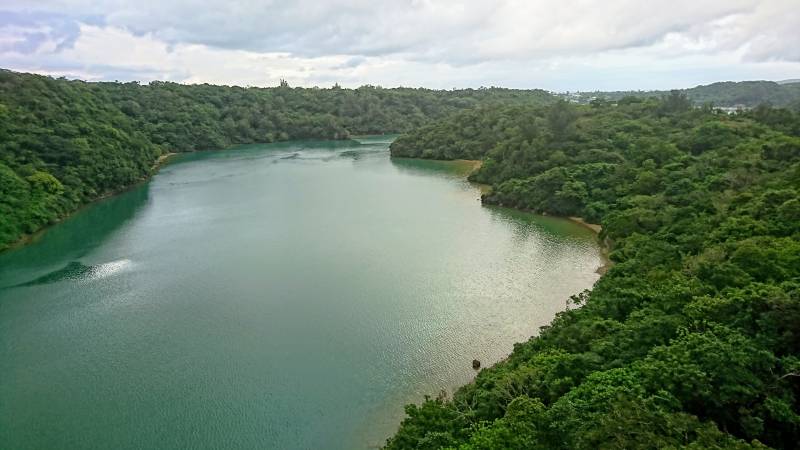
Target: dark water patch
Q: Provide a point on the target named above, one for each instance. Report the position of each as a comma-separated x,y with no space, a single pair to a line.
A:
240,300
77,271
74,238
74,270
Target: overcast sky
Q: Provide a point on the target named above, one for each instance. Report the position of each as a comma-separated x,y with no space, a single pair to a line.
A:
551,44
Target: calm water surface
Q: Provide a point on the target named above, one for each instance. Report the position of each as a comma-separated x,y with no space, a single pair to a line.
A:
285,296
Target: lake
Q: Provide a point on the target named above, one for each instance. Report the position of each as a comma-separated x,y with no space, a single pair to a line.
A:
291,295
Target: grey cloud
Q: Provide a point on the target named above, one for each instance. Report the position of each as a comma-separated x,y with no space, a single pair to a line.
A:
101,72
398,42
455,32
776,34
29,31
352,62
426,30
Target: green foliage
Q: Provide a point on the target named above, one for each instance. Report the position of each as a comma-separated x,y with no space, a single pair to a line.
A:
692,339
727,94
64,143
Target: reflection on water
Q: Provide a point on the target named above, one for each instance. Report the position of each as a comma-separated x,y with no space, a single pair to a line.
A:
75,237
377,140
77,271
242,300
525,223
296,151
457,168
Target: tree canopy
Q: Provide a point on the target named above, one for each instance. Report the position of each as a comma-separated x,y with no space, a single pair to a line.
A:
692,338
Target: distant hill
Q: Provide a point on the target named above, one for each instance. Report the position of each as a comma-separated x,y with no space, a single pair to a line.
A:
727,94
792,81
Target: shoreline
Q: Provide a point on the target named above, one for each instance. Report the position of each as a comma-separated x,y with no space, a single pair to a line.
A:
160,161
603,244
30,238
605,247
471,166
475,163
592,226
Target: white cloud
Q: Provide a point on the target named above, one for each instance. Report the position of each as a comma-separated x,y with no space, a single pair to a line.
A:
98,49
414,42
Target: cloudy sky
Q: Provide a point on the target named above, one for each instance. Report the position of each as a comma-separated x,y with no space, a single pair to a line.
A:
551,44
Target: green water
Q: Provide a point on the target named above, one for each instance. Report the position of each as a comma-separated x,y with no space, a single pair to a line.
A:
270,296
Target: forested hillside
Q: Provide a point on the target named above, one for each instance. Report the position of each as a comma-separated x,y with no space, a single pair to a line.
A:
692,339
64,143
728,93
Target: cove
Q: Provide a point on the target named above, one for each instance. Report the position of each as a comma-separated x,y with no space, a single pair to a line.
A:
291,295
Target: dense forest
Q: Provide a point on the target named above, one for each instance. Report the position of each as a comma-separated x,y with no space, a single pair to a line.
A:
64,143
728,94
692,338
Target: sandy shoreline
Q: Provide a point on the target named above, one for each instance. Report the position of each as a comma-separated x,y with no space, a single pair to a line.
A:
592,226
161,160
604,244
472,165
